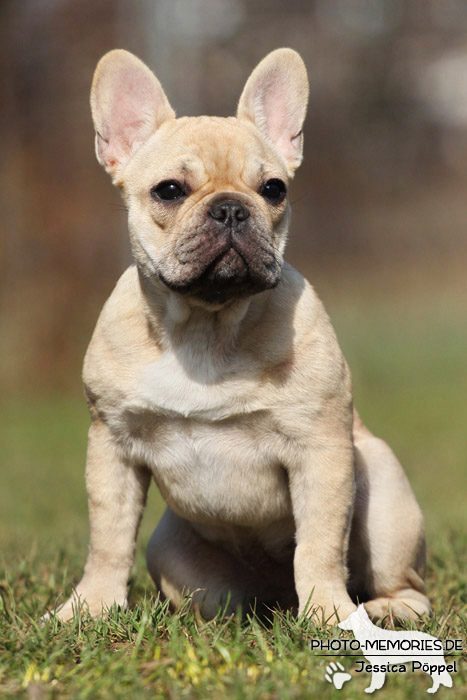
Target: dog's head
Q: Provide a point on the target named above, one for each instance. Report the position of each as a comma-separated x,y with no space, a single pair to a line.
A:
207,196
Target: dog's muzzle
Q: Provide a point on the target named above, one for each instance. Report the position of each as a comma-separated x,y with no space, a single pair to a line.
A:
227,254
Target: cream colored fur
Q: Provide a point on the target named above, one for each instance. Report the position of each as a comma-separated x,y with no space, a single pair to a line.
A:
240,410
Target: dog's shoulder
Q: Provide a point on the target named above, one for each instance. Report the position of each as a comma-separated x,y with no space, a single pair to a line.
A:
299,300
316,350
122,337
302,360
123,323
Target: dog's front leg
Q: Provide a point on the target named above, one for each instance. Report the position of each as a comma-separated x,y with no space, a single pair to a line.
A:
116,498
322,487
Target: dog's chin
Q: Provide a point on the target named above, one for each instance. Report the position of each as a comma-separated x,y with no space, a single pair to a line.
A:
227,277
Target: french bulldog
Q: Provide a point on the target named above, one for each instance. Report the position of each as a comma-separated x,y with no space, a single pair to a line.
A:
215,370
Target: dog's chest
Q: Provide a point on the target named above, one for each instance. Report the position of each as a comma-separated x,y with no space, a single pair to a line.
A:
220,472
209,442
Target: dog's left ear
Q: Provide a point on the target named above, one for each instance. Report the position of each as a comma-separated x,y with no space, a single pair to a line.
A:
275,98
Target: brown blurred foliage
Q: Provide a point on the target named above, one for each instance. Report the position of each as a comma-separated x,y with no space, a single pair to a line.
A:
385,158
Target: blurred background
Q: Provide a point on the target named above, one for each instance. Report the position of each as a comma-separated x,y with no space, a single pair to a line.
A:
379,219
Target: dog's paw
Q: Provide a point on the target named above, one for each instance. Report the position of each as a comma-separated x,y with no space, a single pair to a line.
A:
336,674
328,614
79,603
402,606
73,607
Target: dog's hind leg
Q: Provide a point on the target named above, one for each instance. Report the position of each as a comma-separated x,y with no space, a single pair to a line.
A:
182,563
387,542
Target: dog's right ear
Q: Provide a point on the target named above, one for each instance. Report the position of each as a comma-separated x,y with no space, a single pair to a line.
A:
128,104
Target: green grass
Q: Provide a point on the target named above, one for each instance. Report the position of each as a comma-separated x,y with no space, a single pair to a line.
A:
410,387
146,652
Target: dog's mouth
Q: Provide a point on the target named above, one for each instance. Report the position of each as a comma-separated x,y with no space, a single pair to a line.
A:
230,274
228,265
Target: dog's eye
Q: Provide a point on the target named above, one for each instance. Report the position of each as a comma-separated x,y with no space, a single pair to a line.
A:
167,191
275,190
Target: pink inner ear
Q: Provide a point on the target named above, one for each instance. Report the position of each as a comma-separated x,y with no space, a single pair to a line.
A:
130,119
275,109
281,122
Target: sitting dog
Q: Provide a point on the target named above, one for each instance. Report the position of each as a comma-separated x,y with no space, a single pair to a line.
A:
215,369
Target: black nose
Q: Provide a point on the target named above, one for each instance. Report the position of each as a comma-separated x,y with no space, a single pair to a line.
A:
229,212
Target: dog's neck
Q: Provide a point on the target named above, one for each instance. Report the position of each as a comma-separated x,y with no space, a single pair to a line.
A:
177,319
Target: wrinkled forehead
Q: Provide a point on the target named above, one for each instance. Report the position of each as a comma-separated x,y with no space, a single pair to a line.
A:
205,149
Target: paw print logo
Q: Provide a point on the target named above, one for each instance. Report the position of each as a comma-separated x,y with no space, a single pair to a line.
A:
335,674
